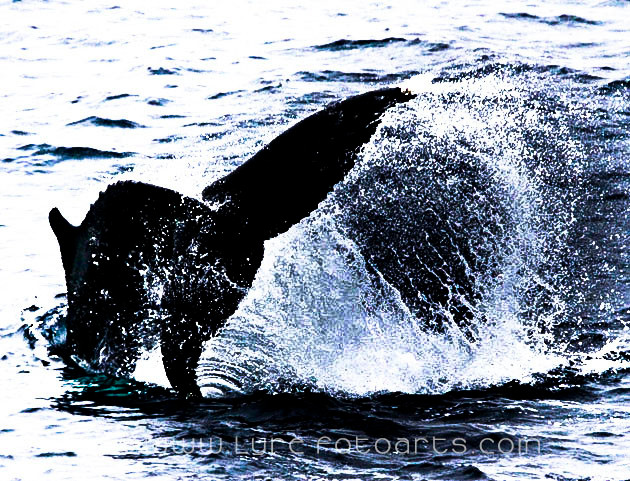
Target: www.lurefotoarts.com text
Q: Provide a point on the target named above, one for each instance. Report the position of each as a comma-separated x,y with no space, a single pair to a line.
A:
260,446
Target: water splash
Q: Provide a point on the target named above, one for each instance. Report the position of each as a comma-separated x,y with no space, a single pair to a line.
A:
498,167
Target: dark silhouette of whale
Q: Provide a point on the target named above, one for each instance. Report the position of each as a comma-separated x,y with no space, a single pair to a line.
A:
138,238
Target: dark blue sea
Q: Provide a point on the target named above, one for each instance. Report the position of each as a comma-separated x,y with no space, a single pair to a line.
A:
316,375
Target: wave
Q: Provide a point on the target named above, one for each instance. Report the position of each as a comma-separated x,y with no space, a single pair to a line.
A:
158,102
495,68
168,140
119,96
162,71
571,20
66,153
102,122
621,86
362,77
346,44
224,94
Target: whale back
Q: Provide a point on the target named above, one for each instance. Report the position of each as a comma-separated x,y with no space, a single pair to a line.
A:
148,266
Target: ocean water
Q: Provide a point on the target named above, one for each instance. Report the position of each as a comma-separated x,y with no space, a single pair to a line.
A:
318,375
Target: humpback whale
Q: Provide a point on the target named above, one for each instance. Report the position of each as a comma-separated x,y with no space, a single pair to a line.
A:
148,264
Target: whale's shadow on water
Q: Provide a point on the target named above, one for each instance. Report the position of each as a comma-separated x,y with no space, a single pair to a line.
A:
439,224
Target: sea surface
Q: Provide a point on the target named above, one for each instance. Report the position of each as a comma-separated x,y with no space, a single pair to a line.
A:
316,376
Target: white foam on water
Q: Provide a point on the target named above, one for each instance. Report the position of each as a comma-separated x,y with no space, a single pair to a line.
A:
312,316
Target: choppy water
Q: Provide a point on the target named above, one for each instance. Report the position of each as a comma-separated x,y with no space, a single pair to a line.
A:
534,97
